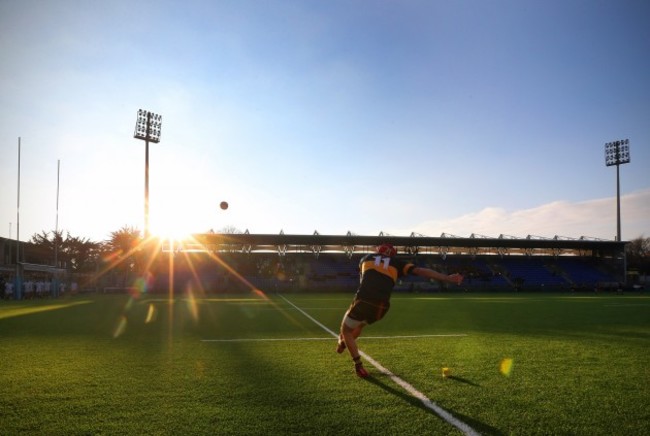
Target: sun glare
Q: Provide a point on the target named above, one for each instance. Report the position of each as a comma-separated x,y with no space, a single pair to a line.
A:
170,227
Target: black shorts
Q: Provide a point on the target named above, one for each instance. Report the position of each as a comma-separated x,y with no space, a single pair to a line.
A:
368,311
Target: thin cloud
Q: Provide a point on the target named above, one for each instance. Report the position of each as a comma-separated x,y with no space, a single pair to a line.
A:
592,218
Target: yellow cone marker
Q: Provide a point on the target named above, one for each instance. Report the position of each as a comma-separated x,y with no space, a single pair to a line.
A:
505,367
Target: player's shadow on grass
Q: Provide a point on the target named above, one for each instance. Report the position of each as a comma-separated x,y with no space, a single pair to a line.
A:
463,380
478,426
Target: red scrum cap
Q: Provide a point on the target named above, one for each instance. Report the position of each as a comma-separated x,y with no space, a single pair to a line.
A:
386,250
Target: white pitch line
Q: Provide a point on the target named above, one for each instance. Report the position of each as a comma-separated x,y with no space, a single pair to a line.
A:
329,339
442,413
626,305
266,339
457,335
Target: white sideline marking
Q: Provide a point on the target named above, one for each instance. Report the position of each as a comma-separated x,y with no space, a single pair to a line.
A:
266,339
460,425
455,335
329,339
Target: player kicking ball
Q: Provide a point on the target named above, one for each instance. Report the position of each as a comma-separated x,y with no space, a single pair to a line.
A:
379,273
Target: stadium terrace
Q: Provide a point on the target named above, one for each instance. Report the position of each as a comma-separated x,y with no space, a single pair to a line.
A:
227,262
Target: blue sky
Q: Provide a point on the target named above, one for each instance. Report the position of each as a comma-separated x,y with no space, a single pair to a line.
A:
460,117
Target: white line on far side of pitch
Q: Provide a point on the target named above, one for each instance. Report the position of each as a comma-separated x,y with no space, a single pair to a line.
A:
329,339
448,417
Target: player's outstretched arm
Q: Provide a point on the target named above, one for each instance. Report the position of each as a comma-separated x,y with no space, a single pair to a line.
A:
431,274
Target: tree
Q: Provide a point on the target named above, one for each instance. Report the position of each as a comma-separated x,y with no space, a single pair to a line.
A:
123,241
230,230
44,246
73,253
122,249
638,255
82,253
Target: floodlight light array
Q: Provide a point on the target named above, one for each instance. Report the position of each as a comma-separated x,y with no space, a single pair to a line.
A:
617,152
148,126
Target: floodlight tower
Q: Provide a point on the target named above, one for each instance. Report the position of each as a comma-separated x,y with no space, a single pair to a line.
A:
147,128
617,153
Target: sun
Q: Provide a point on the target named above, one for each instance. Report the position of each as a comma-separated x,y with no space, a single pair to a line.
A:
177,214
171,224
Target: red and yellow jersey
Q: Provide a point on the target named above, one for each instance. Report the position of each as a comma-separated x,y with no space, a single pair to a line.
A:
379,275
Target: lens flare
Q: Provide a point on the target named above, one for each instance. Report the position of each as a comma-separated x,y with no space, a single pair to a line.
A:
152,314
505,367
192,305
141,286
120,328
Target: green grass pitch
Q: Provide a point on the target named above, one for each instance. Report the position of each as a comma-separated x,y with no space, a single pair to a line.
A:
242,364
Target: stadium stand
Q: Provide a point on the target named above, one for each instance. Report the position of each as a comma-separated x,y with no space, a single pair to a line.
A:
217,263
